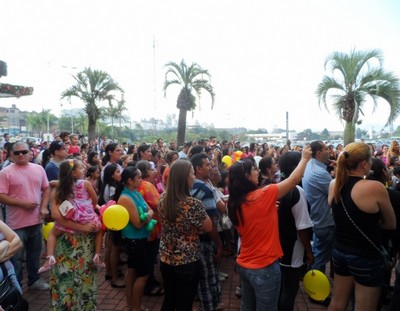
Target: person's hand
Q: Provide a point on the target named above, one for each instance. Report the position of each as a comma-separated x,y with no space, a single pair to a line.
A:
306,153
89,227
150,214
44,212
309,257
29,205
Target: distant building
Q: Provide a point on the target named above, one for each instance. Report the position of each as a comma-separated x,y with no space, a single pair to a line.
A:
276,137
13,120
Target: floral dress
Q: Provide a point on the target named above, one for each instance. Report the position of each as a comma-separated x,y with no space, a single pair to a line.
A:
72,281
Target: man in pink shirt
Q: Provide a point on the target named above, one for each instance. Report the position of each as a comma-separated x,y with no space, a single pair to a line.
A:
24,190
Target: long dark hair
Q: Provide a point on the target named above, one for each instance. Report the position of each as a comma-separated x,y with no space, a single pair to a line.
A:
90,157
64,190
129,172
108,179
239,186
110,147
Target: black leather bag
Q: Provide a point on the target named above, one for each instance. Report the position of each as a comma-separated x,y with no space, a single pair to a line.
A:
10,297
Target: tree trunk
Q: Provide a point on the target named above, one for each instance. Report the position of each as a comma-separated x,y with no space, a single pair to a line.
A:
181,127
349,132
92,128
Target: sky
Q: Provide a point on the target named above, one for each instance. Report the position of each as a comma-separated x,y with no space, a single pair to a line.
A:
265,57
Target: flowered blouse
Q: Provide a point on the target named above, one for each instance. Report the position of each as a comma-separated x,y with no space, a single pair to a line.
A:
180,242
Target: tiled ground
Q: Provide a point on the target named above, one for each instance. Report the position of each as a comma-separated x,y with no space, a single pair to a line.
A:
114,299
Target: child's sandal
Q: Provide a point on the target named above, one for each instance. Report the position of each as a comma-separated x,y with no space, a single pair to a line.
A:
48,264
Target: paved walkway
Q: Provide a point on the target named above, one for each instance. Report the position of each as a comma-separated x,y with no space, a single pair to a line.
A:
114,299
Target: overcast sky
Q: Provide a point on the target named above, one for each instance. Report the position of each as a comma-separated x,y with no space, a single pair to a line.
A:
265,57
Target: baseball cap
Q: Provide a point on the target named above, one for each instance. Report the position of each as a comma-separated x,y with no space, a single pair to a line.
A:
56,145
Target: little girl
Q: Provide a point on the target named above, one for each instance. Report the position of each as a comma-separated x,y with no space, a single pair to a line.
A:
78,201
74,145
111,179
93,176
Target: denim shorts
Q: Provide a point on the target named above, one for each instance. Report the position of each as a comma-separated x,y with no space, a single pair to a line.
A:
365,271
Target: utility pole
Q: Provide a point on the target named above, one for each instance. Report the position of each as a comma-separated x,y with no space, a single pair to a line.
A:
287,125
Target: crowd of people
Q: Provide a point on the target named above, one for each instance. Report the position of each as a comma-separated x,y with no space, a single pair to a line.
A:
292,208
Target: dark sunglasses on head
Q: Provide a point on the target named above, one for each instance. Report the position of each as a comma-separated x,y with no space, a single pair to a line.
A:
21,151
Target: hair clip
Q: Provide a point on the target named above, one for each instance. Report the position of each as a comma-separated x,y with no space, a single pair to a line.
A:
346,154
71,163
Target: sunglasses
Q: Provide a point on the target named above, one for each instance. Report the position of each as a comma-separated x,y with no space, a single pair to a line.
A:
21,152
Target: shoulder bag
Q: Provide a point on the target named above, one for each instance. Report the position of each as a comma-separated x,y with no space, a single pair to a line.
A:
10,297
382,250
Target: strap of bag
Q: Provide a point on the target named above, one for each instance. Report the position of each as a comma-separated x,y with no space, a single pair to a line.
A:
382,251
4,270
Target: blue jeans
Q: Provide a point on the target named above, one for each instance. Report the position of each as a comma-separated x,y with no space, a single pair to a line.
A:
181,283
31,238
323,239
260,287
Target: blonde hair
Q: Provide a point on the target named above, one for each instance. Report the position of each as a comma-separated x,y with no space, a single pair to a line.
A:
349,159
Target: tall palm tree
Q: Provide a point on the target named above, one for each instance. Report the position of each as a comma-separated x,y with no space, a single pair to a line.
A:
356,77
92,87
191,79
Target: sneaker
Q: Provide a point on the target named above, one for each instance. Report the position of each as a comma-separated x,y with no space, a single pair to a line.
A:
324,302
39,285
238,292
224,275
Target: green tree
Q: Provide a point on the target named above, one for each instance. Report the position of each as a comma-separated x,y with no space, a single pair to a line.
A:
37,122
325,135
355,77
92,87
191,79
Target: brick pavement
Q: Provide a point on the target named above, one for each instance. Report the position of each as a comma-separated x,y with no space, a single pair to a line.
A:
111,299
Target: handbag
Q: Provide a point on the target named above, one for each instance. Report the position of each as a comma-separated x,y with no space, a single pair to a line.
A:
10,297
226,223
385,256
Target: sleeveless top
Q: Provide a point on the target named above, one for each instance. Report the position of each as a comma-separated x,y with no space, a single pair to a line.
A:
347,238
130,231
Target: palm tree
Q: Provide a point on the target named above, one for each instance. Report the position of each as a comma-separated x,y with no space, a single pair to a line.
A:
354,79
110,111
189,78
121,107
92,87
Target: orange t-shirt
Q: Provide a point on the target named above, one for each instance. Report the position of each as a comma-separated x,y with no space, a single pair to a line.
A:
260,244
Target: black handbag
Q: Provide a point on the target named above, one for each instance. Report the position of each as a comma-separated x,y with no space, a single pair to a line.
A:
10,297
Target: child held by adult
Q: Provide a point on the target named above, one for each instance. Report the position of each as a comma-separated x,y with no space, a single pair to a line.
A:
77,202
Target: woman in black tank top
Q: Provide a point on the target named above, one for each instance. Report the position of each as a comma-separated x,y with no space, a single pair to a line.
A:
358,266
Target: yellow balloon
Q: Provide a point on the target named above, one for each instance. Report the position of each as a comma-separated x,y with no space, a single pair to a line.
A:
316,285
46,229
227,160
115,217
